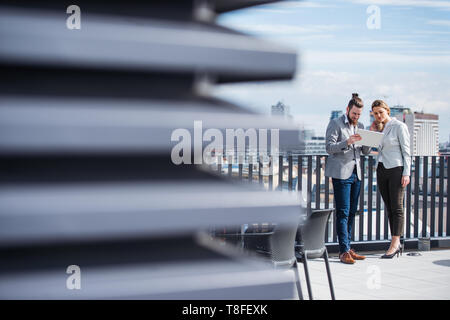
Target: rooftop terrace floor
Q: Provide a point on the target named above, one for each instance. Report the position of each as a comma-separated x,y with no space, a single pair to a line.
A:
425,277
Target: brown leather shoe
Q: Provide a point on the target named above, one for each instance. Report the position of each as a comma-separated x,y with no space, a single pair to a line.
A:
356,256
346,258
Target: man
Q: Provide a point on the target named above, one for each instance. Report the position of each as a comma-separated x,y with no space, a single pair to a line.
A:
343,166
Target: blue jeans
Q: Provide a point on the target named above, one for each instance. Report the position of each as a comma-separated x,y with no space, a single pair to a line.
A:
346,194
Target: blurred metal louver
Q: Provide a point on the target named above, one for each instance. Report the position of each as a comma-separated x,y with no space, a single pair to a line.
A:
85,123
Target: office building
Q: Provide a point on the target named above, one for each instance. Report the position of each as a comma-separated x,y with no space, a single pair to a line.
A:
424,131
336,114
311,144
280,109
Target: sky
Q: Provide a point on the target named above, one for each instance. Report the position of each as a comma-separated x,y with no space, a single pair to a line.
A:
405,59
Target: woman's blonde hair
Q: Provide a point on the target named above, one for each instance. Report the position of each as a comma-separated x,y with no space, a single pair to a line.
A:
382,104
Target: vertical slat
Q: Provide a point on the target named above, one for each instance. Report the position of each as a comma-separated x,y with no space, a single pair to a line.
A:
361,200
448,203
290,173
250,172
219,164
308,188
369,198
441,197
230,169
408,208
299,173
334,227
271,173
433,197
386,223
327,201
425,197
318,169
416,195
270,181
378,213
260,169
280,173
241,166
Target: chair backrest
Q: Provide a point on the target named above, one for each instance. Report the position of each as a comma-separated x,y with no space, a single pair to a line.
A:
282,243
313,232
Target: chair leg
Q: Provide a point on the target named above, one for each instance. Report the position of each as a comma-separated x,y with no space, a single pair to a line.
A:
330,281
297,281
308,281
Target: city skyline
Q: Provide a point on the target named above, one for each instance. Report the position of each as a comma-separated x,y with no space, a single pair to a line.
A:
404,62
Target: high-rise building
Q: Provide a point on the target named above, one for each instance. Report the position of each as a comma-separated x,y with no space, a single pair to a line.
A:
335,114
280,109
311,144
424,131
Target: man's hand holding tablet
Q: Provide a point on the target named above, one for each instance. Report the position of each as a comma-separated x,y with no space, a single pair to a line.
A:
369,138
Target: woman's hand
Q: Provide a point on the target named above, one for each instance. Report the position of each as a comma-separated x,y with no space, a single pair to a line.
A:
405,181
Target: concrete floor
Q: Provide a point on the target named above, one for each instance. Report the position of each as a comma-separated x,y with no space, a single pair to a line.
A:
405,278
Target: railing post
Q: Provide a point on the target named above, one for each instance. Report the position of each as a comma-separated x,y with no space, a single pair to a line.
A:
441,196
386,222
271,173
327,199
280,173
219,164
408,207
308,189
290,173
318,169
448,204
260,168
378,212
416,195
299,173
425,197
361,199
433,197
369,197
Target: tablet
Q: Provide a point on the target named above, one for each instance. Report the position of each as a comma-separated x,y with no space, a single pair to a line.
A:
369,138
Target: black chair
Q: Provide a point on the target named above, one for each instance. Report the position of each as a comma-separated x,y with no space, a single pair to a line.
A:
282,251
311,244
278,244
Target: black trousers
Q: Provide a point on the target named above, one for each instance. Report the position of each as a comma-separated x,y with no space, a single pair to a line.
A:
392,192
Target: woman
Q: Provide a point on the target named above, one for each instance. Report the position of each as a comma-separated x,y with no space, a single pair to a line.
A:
393,170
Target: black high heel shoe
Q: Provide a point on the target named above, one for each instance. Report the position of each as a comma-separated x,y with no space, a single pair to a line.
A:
390,256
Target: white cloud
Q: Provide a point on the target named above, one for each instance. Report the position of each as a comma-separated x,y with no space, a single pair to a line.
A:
442,23
408,3
286,29
376,58
287,6
314,93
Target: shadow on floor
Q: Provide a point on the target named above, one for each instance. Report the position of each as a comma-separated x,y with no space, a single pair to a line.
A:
445,263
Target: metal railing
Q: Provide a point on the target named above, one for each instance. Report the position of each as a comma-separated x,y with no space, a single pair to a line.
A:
427,212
